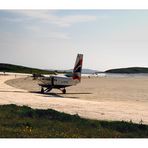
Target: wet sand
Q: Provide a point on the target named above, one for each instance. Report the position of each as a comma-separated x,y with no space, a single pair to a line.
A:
102,98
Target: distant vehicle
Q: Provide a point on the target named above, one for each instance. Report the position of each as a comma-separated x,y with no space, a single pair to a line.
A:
61,82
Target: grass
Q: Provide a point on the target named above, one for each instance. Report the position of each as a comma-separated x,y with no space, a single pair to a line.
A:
24,122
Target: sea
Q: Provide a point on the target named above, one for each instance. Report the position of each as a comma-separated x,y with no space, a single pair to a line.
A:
115,75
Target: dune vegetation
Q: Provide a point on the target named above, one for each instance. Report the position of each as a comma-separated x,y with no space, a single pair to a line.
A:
25,122
21,69
129,70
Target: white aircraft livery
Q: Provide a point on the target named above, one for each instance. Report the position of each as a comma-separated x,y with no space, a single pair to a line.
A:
59,82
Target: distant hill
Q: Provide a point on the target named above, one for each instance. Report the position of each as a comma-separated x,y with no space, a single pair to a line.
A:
129,70
85,71
21,69
89,71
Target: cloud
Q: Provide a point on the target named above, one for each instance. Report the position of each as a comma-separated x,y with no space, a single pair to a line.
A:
73,19
45,17
52,17
48,34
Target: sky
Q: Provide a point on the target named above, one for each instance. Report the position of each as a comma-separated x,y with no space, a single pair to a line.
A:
51,39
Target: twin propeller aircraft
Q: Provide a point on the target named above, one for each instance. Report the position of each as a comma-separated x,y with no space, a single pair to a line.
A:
59,82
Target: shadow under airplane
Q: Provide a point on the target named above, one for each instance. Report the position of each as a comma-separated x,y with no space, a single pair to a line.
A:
60,95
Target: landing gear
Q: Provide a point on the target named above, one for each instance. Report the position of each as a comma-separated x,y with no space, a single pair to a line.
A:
64,91
45,90
48,89
42,90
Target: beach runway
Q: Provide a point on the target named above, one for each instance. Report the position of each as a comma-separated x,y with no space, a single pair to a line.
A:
101,98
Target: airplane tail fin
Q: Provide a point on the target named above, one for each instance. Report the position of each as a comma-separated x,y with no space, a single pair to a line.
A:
78,68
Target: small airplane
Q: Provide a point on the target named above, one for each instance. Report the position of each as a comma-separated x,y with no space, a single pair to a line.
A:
61,82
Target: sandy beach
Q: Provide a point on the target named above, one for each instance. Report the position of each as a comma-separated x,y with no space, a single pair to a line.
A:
104,98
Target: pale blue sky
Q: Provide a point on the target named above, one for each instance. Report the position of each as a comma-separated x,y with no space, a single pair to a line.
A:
51,39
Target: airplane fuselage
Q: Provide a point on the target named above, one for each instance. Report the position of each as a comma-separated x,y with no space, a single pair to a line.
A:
57,82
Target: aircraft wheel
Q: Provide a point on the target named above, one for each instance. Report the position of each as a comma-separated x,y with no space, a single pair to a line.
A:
42,90
64,91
